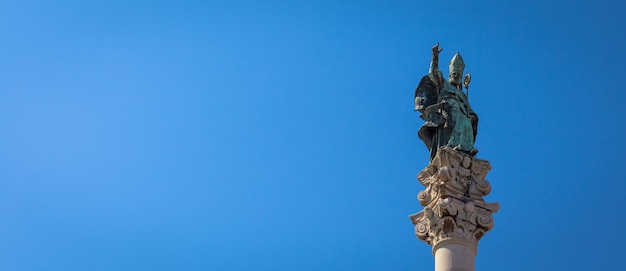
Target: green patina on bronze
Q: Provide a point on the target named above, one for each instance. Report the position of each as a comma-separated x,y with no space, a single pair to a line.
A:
449,118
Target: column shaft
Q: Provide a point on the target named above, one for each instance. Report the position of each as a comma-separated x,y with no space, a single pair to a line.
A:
454,257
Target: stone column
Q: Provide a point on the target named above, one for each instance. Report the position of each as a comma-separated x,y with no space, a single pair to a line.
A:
455,215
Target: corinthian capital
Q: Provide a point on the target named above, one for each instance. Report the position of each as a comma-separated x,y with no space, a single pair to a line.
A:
455,211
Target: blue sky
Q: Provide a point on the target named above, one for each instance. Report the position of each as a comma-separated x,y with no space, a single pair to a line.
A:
280,135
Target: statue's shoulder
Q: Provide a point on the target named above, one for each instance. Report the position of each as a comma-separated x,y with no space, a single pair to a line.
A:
447,87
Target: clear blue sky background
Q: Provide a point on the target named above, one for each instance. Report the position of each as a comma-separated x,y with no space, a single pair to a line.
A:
280,135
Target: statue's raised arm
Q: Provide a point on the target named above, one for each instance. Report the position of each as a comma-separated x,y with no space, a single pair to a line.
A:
434,73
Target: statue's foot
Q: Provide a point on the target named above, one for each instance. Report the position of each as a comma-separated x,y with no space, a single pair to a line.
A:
473,152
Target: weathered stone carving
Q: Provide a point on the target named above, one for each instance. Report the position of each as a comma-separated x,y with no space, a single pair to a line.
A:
455,211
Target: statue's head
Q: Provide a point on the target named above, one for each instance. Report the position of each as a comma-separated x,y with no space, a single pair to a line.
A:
456,70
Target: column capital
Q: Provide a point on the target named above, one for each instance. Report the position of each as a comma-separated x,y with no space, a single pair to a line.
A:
454,209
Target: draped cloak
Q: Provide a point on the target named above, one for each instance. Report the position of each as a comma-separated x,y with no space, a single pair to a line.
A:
449,119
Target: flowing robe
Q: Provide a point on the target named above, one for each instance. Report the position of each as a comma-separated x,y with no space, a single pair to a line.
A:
450,121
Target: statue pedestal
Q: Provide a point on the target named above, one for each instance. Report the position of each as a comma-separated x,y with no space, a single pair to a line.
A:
455,216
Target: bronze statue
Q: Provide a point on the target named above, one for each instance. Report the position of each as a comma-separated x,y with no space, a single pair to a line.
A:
450,121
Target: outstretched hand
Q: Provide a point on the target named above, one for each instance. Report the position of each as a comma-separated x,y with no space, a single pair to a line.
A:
436,49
